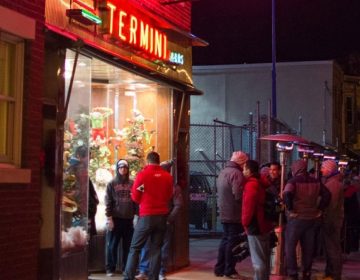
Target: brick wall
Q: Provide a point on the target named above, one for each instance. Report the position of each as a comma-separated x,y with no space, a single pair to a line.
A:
179,14
20,204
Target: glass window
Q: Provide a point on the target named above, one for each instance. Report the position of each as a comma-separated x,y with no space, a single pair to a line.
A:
129,116
113,114
74,217
11,90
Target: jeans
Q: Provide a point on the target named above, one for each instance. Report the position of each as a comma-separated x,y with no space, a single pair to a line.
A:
147,227
260,255
145,253
304,231
332,246
123,229
226,262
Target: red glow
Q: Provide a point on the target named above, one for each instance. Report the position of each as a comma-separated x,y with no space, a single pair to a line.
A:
133,28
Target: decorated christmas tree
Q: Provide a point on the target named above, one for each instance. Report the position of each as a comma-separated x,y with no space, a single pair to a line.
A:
137,140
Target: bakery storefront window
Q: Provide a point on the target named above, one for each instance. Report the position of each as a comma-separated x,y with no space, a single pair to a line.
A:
112,114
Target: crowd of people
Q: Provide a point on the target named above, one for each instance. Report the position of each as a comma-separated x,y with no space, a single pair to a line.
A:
312,206
141,214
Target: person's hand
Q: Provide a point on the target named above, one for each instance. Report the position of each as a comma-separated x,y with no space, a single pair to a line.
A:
109,224
135,220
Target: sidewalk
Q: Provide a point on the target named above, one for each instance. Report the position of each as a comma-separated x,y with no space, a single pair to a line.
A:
203,254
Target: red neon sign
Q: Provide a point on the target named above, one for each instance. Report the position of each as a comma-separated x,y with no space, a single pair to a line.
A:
129,26
125,23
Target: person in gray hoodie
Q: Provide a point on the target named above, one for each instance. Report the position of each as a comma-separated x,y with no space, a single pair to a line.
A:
305,198
120,211
230,184
333,220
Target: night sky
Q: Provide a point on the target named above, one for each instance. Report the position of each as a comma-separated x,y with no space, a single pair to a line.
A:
239,31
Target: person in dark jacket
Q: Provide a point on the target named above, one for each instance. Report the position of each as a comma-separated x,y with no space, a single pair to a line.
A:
120,211
333,220
305,198
229,188
257,228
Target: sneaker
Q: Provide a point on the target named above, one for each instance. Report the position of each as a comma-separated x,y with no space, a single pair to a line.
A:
162,277
141,276
109,273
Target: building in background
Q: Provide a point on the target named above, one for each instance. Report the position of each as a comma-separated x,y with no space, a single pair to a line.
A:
315,99
306,91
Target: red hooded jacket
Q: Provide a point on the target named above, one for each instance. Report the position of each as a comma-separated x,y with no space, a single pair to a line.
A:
152,190
253,216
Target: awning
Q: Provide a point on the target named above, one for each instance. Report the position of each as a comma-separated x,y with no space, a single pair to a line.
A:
121,61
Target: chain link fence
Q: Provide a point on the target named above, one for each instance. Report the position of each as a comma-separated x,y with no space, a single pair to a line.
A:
211,145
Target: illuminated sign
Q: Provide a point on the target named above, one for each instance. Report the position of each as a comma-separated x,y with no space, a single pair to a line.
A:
83,16
176,58
121,23
125,25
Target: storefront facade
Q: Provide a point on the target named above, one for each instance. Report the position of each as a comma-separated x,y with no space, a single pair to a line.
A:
117,85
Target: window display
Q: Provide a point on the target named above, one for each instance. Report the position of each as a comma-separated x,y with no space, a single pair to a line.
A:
113,114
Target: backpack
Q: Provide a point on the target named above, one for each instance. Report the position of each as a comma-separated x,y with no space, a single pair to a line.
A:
272,207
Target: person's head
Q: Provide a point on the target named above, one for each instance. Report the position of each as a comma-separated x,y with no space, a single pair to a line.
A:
153,158
239,157
166,165
122,168
299,167
251,168
328,167
264,171
274,170
81,152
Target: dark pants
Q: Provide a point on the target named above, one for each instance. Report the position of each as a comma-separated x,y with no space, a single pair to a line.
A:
332,246
304,231
123,229
226,262
145,253
152,227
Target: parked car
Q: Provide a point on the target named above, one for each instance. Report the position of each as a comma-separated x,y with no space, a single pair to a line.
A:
199,209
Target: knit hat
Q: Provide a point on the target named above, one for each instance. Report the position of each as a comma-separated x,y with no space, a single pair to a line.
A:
239,157
330,165
122,163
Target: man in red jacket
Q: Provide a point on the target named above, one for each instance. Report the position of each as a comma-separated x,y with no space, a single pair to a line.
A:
153,191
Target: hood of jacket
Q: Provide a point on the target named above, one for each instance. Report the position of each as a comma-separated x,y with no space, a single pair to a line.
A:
299,167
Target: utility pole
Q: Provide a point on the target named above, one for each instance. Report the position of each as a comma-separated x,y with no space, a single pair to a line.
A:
273,43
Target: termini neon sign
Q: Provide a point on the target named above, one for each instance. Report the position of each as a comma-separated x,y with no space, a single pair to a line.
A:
121,23
124,24
133,30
